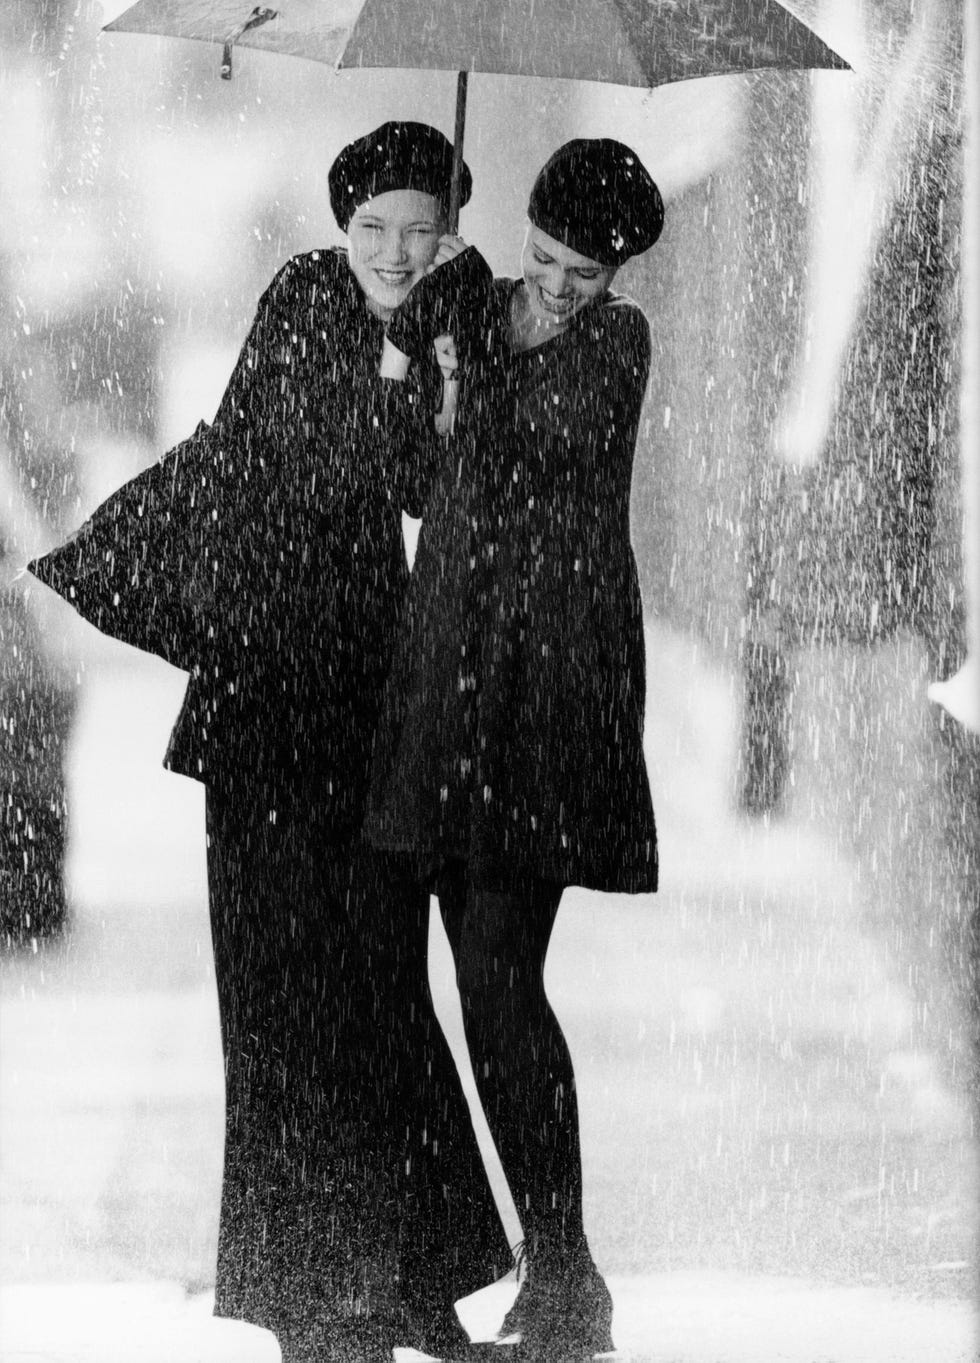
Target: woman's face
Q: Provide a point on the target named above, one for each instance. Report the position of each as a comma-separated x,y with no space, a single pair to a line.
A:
391,240
559,281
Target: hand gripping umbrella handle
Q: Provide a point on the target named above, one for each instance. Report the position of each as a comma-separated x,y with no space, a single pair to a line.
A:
261,14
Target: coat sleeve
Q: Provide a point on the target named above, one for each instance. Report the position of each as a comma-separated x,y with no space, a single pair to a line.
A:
149,566
135,569
256,404
379,432
409,449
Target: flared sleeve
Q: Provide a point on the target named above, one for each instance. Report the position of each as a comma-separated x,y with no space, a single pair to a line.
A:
138,568
195,554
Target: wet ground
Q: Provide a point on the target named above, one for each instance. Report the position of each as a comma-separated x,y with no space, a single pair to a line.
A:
776,1166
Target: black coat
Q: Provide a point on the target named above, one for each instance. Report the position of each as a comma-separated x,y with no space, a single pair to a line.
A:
512,734
265,554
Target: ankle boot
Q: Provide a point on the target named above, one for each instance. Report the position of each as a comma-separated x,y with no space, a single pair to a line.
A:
563,1309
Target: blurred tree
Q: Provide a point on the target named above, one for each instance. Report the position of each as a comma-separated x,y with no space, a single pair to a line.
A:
37,701
55,374
857,510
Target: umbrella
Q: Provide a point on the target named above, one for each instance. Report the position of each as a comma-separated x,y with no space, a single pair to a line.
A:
619,42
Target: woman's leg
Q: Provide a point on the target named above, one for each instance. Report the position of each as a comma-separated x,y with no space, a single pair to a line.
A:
524,1075
521,1061
417,1134
292,1204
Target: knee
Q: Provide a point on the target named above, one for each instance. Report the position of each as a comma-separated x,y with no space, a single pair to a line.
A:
499,995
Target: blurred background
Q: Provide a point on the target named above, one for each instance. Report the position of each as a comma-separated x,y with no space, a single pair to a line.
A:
779,1052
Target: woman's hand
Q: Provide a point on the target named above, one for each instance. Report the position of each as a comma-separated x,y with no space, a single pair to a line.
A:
446,357
449,246
448,361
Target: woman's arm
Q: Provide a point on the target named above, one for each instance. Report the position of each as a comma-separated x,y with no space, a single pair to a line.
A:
453,300
407,447
256,400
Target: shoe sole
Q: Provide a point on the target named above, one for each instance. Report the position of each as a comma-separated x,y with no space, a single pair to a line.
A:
513,1348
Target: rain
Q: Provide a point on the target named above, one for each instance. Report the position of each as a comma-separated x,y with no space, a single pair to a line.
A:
775,1054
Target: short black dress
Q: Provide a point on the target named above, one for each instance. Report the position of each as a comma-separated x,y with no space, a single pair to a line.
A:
511,735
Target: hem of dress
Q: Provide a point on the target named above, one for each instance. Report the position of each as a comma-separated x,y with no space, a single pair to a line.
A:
493,873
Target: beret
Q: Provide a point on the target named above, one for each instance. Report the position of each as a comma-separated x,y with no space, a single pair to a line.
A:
595,196
394,156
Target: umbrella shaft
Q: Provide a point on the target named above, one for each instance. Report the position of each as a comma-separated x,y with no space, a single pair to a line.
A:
460,129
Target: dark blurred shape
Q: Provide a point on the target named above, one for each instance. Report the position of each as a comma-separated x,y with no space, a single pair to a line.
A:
74,367
37,703
765,756
849,551
36,711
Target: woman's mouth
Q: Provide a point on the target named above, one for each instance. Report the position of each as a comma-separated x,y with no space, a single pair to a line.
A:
554,303
394,278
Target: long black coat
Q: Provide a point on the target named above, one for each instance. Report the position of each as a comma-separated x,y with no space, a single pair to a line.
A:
512,735
265,554
327,455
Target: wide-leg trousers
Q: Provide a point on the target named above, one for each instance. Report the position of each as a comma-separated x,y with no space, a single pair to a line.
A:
353,1187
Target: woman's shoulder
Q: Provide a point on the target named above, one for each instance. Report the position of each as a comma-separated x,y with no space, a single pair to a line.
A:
619,312
618,326
323,271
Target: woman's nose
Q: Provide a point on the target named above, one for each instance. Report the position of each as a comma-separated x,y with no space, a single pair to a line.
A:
557,282
396,247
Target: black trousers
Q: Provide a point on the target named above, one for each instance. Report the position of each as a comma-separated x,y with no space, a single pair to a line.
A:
353,1187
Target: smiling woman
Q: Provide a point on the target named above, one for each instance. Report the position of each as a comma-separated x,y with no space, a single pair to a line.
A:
393,220
391,241
265,556
558,284
509,759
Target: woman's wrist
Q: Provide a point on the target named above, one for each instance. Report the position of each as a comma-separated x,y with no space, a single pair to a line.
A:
394,362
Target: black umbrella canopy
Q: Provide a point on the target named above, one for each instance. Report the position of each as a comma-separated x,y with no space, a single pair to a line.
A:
623,42
619,42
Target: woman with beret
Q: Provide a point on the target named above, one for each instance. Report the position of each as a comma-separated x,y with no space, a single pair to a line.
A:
354,1205
509,761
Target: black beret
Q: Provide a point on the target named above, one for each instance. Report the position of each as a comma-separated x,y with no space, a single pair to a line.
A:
596,196
394,156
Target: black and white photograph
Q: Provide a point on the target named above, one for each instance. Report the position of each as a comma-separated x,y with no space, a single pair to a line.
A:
489,681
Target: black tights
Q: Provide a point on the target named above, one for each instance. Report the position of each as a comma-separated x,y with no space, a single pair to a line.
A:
520,1058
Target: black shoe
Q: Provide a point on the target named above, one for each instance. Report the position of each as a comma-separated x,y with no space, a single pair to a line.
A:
439,1334
563,1311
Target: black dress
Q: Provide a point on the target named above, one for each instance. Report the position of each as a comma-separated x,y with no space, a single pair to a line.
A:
512,734
353,1189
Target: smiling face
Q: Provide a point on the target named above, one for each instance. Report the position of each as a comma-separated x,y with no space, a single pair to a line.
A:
559,281
391,240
